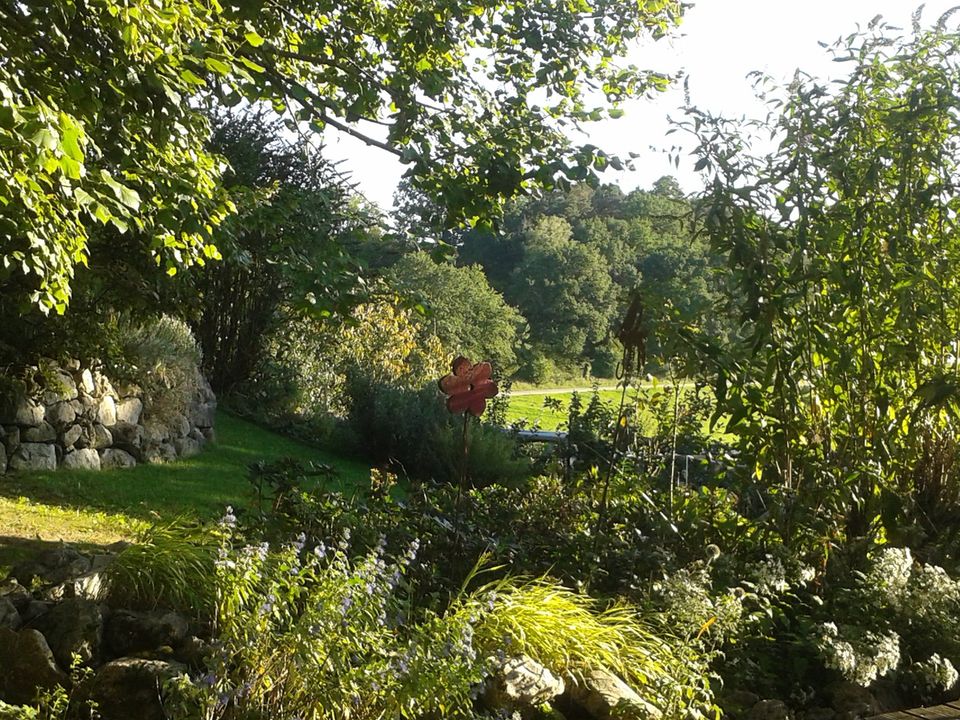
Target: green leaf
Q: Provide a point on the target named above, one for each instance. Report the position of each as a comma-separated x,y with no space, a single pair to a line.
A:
253,37
217,66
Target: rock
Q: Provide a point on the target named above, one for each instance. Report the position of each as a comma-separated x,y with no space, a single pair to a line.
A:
52,566
34,609
738,702
43,433
28,666
62,413
194,651
132,688
95,436
210,434
155,432
11,440
107,411
72,364
820,713
131,632
770,710
15,593
180,426
60,386
116,458
197,435
9,617
604,695
87,383
129,410
21,411
522,682
886,691
88,459
204,390
71,435
203,415
3,460
158,454
129,390
73,627
186,447
127,436
850,698
89,586
88,407
34,456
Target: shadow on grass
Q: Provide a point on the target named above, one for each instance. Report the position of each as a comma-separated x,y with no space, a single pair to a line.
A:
200,486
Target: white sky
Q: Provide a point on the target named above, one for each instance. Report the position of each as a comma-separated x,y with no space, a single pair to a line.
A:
719,43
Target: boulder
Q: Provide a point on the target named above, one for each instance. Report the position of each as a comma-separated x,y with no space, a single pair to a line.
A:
210,435
15,593
60,386
159,454
128,633
43,433
186,447
196,434
62,413
3,460
115,458
88,407
127,436
155,432
87,459
107,411
73,627
9,617
87,383
852,700
129,410
770,710
28,666
521,682
34,456
180,426
35,609
51,567
195,652
129,390
203,414
604,695
70,436
21,411
738,702
95,436
132,688
11,439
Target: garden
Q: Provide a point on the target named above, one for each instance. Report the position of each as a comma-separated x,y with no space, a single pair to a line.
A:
529,445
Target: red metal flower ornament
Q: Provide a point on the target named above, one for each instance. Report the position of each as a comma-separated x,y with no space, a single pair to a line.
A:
468,387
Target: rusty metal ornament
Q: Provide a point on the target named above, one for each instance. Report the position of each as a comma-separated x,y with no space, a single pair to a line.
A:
468,387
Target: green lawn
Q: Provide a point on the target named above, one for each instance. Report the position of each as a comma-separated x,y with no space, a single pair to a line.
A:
530,408
102,507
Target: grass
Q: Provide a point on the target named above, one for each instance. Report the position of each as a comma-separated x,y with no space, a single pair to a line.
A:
102,507
531,407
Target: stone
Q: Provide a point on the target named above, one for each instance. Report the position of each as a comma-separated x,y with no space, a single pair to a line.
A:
159,454
35,609
604,695
73,627
107,411
28,666
62,413
88,407
197,435
115,458
129,410
132,688
33,457
72,364
820,713
194,651
210,435
186,447
43,433
95,436
129,390
9,616
87,383
848,697
11,440
15,593
21,411
71,435
87,459
203,415
3,460
770,710
127,435
61,386
180,426
155,432
738,702
521,682
130,632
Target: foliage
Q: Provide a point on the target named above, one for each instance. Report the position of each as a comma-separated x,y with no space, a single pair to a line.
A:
170,566
462,310
122,144
841,388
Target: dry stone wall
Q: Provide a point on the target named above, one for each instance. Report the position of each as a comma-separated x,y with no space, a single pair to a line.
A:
74,417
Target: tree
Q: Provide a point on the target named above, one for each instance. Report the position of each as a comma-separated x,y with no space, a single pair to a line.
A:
844,245
465,313
101,121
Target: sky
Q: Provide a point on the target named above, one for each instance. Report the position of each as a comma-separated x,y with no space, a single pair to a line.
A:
718,44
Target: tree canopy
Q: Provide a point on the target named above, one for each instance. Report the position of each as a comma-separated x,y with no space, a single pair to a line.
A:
102,128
